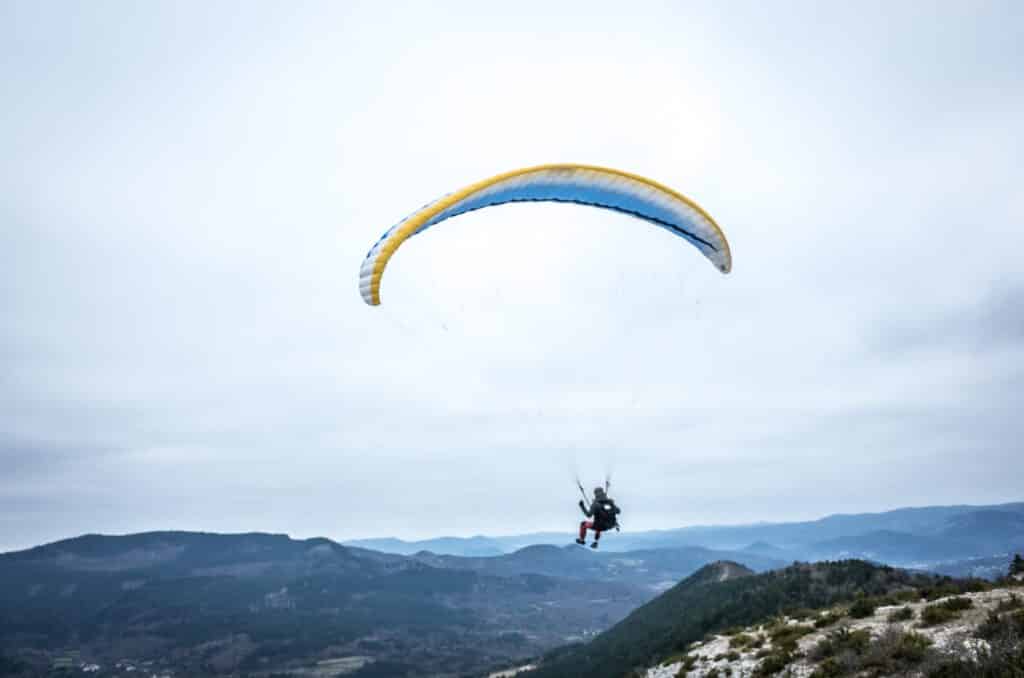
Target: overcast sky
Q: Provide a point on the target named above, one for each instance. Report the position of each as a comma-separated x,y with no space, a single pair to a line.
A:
189,188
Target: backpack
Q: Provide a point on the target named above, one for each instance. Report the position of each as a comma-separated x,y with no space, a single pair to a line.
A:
604,515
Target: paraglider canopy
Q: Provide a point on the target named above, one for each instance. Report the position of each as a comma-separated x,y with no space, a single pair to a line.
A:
587,185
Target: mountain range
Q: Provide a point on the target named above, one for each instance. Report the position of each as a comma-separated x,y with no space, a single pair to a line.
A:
912,537
205,604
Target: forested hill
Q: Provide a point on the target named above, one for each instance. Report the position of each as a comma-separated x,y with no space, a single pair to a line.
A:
206,604
718,596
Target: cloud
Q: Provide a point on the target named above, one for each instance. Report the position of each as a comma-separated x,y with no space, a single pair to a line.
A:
993,323
191,194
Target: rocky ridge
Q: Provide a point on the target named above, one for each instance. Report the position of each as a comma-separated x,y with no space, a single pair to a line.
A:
744,654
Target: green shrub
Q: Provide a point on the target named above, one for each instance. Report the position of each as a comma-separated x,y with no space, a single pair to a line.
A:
957,604
912,647
840,641
939,591
894,652
949,587
1011,603
783,635
904,613
689,662
783,650
741,640
907,596
802,613
772,664
933,615
847,652
862,607
787,645
1001,625
827,619
678,657
1002,658
829,668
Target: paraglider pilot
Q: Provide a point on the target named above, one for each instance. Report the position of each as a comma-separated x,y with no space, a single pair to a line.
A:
602,514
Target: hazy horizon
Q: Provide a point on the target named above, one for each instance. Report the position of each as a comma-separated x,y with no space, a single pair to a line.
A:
569,534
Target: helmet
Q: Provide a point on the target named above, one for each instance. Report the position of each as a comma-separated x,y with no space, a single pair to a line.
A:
599,492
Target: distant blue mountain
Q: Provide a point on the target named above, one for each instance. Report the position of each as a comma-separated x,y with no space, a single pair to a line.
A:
988,567
903,536
459,546
766,550
652,569
986,526
890,547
